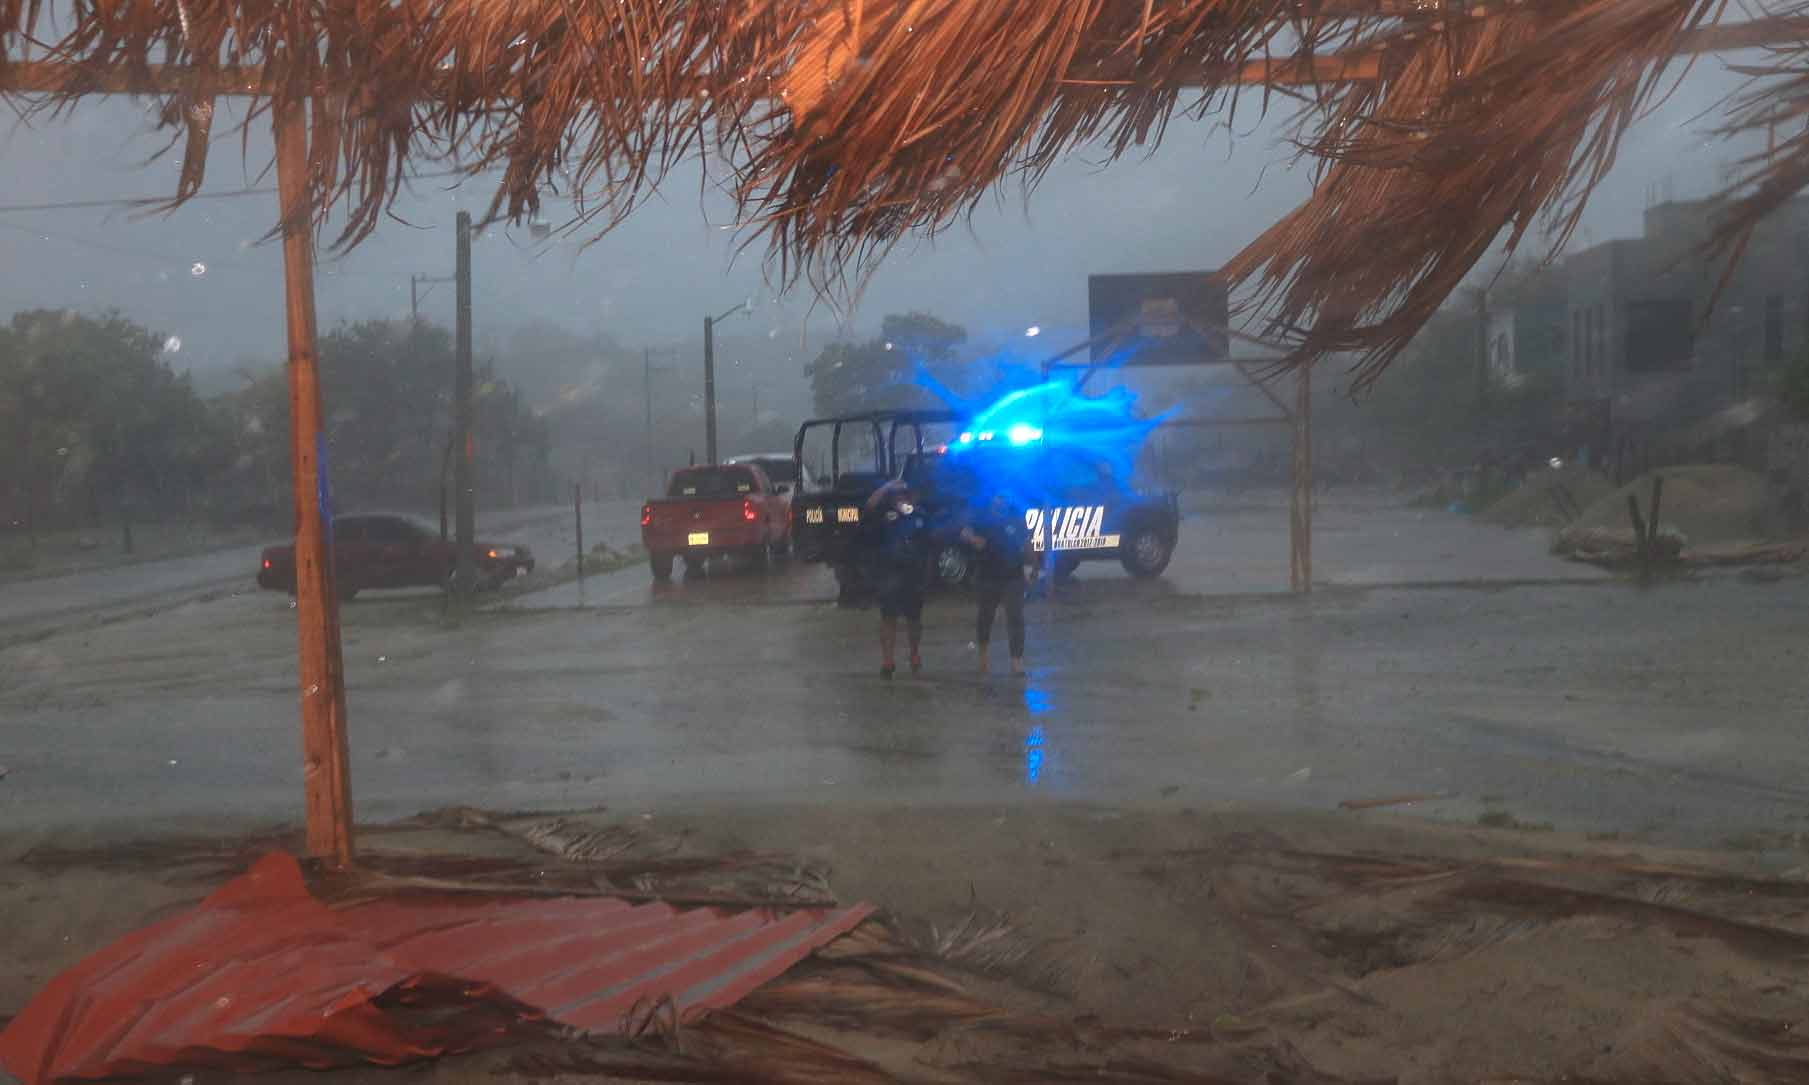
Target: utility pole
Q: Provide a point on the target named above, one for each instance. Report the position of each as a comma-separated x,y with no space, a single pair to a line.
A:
710,377
465,515
415,282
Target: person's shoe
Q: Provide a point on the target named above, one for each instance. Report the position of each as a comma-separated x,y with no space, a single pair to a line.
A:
916,664
885,671
1017,668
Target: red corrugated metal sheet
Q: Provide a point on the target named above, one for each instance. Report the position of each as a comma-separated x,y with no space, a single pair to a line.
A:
262,974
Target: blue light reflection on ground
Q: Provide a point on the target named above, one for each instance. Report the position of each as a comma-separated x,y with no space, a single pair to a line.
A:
1036,701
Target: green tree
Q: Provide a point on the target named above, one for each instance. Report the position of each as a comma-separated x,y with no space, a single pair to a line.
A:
884,371
387,388
96,417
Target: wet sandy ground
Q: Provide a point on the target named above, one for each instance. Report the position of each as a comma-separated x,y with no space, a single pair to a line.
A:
1672,713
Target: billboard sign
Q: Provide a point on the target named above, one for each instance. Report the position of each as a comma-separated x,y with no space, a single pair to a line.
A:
1169,318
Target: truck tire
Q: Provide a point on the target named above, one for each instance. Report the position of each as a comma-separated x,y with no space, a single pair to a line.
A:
759,557
661,564
1146,552
1065,564
851,587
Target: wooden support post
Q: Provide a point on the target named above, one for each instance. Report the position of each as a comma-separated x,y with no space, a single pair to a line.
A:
578,516
326,774
1642,542
1300,520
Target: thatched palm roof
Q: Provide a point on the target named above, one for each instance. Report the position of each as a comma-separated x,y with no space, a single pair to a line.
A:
849,124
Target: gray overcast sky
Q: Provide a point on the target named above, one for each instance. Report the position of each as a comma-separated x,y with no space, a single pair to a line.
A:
1191,205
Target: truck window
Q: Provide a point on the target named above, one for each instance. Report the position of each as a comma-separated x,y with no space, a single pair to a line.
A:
712,482
779,470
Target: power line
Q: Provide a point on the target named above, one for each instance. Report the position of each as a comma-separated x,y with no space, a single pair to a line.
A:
132,201
118,250
327,268
157,201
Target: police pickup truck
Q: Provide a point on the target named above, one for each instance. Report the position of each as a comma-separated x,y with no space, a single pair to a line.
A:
1074,503
865,451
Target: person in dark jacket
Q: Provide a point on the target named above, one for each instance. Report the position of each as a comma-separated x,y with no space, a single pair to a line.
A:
900,567
1003,547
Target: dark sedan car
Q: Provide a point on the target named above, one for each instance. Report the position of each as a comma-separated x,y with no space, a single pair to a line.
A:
376,551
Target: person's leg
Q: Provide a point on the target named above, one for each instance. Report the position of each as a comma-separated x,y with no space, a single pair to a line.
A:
914,631
986,594
888,639
1014,623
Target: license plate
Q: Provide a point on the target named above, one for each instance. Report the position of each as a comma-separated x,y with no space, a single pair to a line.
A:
698,538
848,516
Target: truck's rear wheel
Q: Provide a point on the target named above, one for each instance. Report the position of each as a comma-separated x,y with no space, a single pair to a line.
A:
1146,553
1065,564
661,564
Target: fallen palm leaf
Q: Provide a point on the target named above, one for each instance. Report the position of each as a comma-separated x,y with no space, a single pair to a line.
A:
1392,800
1764,943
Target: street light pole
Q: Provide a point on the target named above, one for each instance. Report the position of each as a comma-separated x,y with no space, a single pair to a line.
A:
465,454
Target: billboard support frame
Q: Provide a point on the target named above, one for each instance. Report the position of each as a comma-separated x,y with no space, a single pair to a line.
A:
1299,417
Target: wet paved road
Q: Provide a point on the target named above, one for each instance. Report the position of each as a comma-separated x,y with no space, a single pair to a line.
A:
27,607
1674,712
1228,548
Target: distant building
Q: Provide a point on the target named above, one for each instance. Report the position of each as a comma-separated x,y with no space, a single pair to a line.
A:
1641,334
1525,334
1627,326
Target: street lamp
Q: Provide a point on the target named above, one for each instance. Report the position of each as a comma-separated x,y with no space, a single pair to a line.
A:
710,374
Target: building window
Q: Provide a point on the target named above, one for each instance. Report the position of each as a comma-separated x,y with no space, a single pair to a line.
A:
1659,335
1774,328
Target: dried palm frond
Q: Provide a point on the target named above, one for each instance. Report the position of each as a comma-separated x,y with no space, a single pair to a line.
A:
556,836
848,125
1472,132
1775,103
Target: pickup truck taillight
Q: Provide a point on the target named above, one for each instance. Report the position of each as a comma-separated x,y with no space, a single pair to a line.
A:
646,515
748,512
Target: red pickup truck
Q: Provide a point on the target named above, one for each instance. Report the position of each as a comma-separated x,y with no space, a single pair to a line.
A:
713,512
